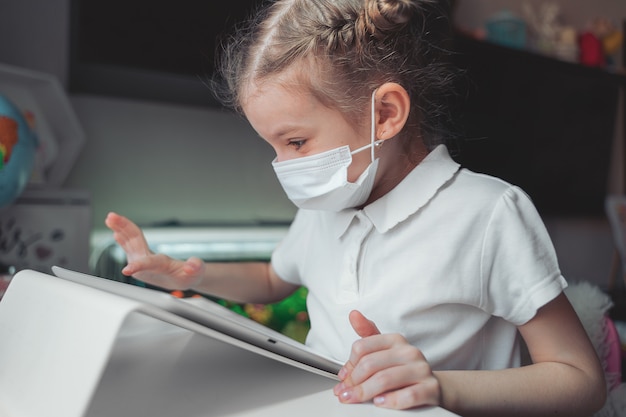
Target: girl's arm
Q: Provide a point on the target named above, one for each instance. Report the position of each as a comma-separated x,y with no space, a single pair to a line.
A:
565,378
243,282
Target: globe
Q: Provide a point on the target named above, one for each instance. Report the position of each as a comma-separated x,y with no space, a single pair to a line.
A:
18,145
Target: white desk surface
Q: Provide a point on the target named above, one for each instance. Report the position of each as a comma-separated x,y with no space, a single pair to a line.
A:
69,350
198,376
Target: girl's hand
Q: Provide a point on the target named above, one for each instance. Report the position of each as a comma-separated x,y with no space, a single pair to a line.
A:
155,269
385,369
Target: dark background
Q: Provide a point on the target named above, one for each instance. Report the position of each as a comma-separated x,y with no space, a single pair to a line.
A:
540,123
543,124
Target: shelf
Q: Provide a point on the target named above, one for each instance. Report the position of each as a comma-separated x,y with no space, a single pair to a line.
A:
465,44
538,122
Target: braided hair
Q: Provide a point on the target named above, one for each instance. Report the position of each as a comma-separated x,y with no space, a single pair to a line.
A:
345,49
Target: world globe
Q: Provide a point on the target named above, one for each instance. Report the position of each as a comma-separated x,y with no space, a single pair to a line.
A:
18,146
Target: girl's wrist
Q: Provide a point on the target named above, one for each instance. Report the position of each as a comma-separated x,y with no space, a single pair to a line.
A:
448,399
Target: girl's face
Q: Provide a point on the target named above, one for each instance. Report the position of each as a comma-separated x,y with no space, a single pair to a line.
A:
296,124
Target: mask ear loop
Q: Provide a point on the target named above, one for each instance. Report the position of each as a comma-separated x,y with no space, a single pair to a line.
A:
373,142
373,130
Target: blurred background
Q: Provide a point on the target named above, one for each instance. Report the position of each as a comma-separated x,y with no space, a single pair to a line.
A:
163,159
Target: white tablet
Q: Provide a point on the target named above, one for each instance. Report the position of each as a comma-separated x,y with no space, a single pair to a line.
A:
214,316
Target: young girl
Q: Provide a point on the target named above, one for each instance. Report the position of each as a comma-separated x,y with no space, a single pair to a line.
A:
421,275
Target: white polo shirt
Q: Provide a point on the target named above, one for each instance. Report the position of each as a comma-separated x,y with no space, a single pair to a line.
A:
451,259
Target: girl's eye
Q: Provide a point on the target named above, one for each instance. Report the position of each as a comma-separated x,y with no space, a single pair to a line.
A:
297,144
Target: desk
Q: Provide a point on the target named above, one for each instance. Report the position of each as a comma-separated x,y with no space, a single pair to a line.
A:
199,376
69,350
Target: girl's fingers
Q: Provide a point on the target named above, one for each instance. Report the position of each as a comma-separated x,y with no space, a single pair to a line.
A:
361,325
400,356
128,235
363,347
385,369
425,392
193,266
404,386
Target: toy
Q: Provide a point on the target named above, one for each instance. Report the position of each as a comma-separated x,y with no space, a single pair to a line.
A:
591,52
544,25
507,29
288,316
592,307
8,139
600,43
18,146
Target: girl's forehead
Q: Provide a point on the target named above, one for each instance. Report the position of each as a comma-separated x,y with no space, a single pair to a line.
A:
291,80
278,88
270,106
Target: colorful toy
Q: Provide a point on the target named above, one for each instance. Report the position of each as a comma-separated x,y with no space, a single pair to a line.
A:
600,44
18,146
8,138
288,316
591,52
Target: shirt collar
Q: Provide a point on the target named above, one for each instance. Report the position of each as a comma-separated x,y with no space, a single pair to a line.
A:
410,195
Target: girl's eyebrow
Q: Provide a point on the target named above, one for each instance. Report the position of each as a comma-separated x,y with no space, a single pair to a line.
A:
287,130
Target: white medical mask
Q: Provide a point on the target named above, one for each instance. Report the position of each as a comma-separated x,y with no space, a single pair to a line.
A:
320,181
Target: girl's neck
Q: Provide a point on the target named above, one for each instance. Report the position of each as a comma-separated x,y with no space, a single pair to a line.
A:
394,165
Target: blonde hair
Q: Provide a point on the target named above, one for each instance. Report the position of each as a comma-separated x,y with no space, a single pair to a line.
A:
345,49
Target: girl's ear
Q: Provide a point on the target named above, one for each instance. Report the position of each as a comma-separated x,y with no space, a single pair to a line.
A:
392,107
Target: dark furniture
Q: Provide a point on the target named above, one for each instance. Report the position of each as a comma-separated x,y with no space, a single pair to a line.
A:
541,123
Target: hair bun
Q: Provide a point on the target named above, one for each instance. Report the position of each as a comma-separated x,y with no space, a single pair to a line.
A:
396,12
392,15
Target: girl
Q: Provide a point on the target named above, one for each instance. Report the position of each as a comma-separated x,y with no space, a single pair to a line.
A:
449,267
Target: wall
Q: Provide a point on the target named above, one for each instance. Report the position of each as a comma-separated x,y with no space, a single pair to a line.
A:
151,161
156,162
